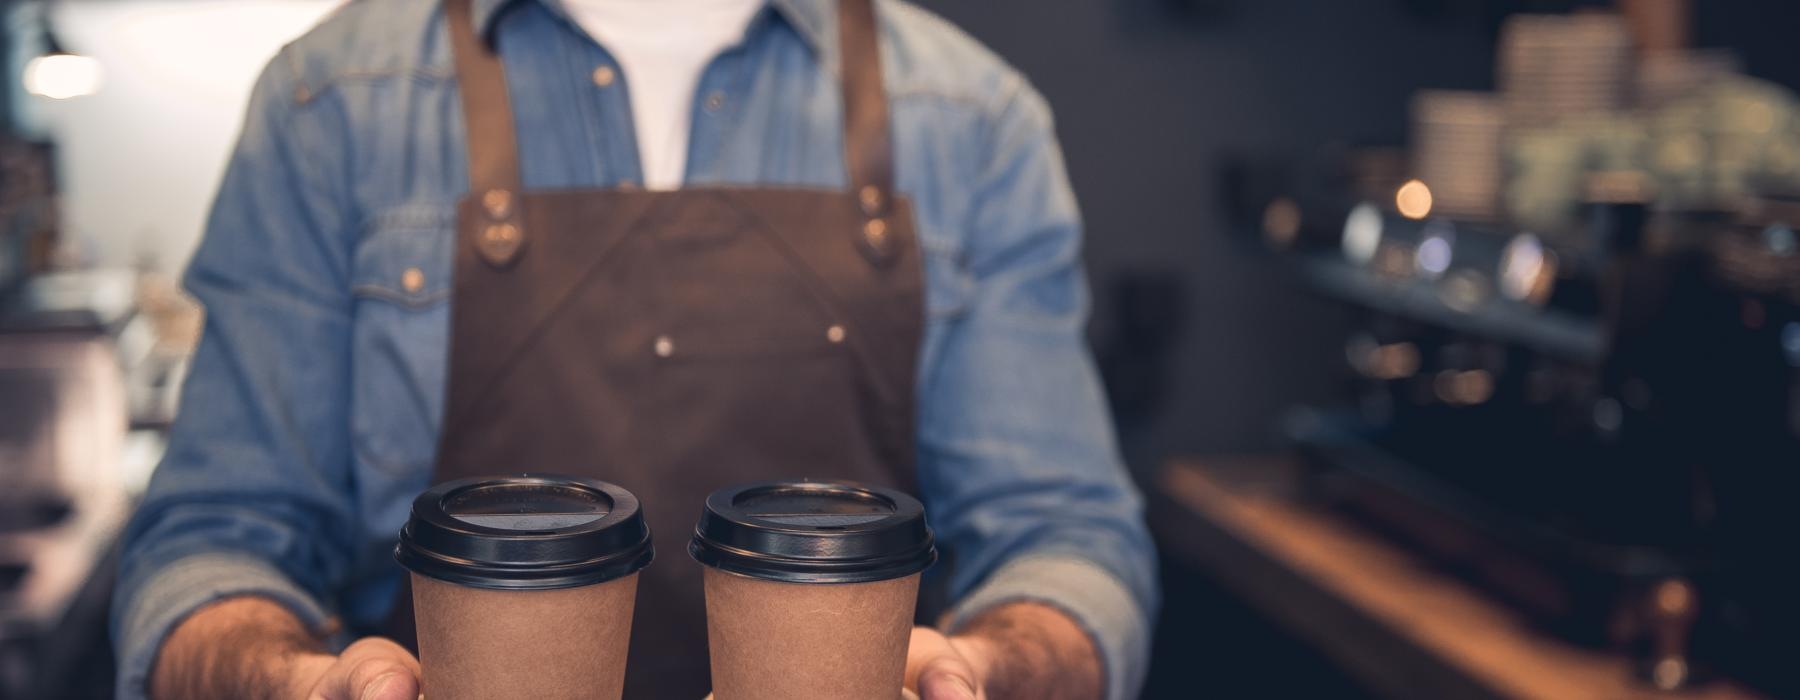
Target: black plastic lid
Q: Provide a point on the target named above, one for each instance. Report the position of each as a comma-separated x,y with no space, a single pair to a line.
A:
532,531
813,532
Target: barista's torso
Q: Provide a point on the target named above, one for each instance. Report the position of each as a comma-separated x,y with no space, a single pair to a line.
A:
386,107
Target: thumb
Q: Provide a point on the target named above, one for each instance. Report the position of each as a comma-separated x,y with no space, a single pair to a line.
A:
383,679
947,678
937,669
373,669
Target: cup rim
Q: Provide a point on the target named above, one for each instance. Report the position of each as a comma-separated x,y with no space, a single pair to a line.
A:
436,544
732,538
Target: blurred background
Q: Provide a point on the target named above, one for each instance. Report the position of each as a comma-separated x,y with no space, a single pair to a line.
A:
1455,343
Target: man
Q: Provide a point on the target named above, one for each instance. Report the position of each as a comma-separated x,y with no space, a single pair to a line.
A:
818,239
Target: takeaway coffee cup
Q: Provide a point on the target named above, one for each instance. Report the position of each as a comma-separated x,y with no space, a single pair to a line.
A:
810,588
523,586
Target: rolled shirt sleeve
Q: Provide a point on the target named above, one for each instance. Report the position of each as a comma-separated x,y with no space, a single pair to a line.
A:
181,587
1094,598
254,493
1018,463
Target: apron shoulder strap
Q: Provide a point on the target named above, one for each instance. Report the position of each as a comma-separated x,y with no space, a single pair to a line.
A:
487,111
868,153
499,232
493,151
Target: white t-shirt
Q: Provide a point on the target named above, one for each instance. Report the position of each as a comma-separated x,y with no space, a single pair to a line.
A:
662,46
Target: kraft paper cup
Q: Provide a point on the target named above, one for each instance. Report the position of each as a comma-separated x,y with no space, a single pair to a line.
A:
810,588
523,586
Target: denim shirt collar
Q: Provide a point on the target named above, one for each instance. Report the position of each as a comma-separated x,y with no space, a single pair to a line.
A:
815,20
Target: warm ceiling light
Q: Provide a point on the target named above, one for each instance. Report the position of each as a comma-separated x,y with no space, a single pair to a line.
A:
63,75
57,73
1413,200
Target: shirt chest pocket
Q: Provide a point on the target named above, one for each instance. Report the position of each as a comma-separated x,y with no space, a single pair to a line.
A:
401,281
406,262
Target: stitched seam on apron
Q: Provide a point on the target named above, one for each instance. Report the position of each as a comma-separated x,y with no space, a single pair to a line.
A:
821,292
536,334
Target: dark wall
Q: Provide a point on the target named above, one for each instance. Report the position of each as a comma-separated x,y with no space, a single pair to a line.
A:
1151,98
1759,31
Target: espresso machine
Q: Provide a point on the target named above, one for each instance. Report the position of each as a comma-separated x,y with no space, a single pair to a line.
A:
1575,373
66,441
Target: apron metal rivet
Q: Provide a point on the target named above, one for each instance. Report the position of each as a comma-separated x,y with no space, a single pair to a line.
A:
664,346
876,232
835,334
500,243
870,198
498,203
604,75
412,280
501,234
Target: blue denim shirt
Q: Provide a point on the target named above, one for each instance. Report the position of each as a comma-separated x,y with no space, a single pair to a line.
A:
311,413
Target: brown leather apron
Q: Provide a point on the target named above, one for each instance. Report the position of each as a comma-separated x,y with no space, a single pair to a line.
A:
677,342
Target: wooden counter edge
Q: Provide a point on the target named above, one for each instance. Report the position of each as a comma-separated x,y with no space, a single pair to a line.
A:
1398,626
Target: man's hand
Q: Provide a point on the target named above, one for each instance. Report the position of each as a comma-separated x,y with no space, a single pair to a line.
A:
1012,652
370,669
943,668
253,648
